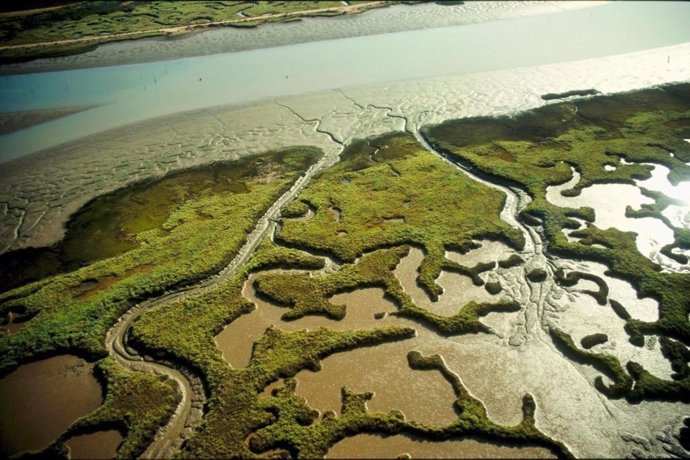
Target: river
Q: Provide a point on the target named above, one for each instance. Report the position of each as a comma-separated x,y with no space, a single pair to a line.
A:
127,94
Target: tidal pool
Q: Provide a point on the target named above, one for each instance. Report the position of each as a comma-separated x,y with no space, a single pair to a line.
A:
237,339
98,445
42,399
423,396
678,215
652,234
458,289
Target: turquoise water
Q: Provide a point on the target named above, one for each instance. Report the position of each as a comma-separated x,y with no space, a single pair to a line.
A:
130,93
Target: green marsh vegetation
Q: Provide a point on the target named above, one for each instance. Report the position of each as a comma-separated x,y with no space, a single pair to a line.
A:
98,22
109,225
178,229
389,191
136,404
536,149
173,231
384,196
184,331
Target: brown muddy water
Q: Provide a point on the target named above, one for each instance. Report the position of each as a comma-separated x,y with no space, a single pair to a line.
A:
42,399
372,446
423,396
235,341
98,445
458,289
493,370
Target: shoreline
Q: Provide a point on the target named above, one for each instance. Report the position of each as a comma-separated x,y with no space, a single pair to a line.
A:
69,46
34,216
148,90
226,39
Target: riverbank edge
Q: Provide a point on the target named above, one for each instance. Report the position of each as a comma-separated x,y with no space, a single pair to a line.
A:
56,49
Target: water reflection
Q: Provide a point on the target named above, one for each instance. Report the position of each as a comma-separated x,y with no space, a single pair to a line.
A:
609,202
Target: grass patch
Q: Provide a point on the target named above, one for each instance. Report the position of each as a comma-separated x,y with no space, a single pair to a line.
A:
107,21
136,404
200,234
536,149
390,191
184,331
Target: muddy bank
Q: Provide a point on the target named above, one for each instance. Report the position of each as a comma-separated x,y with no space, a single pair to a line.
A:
40,400
396,18
425,397
43,189
237,338
372,446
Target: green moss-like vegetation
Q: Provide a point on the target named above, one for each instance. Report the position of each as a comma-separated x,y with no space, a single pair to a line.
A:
386,195
201,233
593,340
390,191
536,149
136,404
108,225
607,364
184,330
574,277
186,226
513,261
648,386
98,22
306,294
538,275
235,410
493,287
297,432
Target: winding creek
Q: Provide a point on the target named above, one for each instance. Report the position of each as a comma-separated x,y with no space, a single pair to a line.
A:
188,414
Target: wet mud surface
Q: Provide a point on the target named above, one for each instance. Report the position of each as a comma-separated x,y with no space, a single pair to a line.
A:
98,445
372,446
41,399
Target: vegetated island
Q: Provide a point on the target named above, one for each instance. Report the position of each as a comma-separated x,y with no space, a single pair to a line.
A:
575,92
384,195
76,27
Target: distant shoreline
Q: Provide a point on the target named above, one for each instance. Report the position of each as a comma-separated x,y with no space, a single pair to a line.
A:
387,18
23,52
